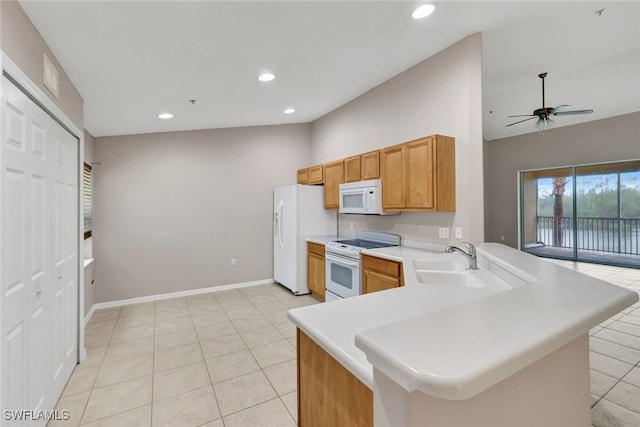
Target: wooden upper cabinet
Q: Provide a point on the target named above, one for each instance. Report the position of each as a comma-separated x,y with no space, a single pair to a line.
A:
316,174
420,175
333,177
370,165
392,174
352,169
303,176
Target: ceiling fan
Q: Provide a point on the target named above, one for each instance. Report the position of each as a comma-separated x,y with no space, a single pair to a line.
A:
544,114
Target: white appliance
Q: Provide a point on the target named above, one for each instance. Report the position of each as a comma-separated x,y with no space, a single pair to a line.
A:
298,212
363,197
342,262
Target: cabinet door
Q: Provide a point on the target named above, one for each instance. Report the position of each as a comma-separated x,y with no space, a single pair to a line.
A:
392,159
419,174
316,274
316,174
333,177
328,394
370,165
303,176
352,169
374,282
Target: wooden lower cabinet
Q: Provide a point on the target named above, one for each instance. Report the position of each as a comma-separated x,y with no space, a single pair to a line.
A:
315,269
328,394
380,274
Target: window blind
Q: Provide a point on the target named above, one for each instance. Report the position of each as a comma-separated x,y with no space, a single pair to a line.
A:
87,185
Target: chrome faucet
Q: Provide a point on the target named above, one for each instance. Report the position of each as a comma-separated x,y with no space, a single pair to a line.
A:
471,255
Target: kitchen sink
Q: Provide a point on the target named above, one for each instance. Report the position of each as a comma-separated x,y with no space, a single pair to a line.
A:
465,278
438,266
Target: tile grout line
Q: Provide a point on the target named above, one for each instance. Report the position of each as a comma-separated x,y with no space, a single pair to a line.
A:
206,366
93,383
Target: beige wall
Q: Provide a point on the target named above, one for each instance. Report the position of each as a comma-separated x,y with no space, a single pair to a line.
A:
22,42
441,95
615,138
172,209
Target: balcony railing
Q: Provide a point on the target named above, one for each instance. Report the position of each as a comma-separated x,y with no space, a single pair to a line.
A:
617,235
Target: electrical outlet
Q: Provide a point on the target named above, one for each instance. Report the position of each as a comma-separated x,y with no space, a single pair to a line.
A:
502,238
458,232
443,233
233,262
350,225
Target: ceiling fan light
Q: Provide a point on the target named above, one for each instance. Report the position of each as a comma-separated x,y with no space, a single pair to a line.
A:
544,123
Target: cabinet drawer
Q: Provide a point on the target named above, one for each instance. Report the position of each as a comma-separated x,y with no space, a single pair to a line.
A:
315,248
390,268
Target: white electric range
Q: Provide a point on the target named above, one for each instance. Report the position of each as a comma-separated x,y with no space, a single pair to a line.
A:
342,262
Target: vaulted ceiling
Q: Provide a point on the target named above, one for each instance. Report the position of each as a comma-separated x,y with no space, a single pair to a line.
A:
132,60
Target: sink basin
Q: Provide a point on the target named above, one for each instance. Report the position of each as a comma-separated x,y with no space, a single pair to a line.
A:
464,278
438,266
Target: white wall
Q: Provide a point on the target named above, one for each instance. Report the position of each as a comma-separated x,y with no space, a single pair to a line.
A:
172,209
443,95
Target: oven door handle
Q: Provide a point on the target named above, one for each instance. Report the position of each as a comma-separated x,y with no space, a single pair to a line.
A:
341,260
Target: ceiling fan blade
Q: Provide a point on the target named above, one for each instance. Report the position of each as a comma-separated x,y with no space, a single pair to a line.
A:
530,118
574,112
562,107
524,115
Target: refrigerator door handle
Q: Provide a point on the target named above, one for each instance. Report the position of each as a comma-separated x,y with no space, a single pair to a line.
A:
280,206
275,223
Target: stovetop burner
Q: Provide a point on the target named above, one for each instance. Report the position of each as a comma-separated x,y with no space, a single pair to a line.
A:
365,244
365,240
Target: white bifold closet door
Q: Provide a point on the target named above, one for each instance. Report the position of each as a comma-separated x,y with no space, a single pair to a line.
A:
39,250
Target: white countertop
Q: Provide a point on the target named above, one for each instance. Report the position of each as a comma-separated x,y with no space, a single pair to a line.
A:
321,240
454,342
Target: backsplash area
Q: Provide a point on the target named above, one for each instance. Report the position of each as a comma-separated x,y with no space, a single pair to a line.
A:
411,226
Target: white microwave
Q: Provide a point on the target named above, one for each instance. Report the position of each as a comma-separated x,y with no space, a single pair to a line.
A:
362,197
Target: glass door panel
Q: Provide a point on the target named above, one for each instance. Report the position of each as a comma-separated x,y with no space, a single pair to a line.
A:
547,212
608,213
600,224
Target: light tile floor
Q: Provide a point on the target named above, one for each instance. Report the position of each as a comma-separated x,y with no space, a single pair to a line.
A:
614,353
228,359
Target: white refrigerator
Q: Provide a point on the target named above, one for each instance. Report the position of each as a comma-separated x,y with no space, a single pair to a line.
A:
298,212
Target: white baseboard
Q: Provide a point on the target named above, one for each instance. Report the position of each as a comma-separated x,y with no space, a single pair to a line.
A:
89,314
159,297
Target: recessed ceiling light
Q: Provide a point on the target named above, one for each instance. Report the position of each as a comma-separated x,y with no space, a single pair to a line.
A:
422,11
165,116
290,111
266,77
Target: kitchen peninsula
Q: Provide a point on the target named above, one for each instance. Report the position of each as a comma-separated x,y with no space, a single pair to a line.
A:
509,348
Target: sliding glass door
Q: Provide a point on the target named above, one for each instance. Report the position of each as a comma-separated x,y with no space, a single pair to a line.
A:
547,211
585,213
